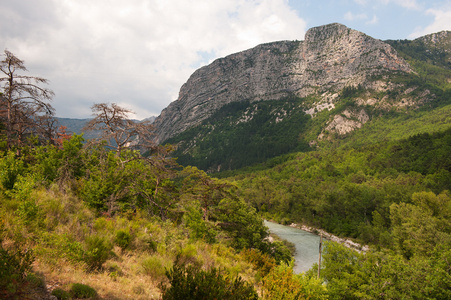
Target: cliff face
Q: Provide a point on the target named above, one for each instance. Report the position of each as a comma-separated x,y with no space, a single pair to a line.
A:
330,58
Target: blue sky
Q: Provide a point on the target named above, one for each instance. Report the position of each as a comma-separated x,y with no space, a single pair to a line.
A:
138,53
402,19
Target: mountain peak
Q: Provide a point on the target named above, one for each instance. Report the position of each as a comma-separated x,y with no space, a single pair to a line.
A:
324,32
331,57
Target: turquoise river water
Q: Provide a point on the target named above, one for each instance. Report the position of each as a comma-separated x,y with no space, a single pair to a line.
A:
307,244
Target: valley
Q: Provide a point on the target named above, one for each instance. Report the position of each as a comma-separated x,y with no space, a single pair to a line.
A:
340,132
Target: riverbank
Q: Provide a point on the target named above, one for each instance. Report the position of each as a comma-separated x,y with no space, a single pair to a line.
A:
346,242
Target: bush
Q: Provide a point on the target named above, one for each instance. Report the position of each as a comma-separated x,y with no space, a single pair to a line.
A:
98,251
83,291
155,266
194,283
15,262
61,294
282,284
261,261
10,168
123,239
35,280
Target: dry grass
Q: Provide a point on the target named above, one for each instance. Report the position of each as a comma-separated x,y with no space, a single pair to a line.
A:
134,273
109,283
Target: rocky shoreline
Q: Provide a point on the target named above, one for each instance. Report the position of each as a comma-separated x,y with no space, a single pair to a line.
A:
346,242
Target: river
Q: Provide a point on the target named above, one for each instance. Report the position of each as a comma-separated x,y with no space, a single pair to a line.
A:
306,243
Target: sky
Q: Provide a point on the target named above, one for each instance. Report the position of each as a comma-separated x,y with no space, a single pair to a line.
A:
138,53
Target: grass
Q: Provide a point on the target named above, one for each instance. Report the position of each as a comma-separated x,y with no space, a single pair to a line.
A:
63,226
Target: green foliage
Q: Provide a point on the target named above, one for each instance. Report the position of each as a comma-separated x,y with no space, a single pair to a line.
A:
35,280
351,275
83,291
98,251
15,262
155,266
123,239
430,60
10,168
342,190
241,223
282,284
242,133
200,229
261,261
63,165
193,283
417,228
22,192
61,294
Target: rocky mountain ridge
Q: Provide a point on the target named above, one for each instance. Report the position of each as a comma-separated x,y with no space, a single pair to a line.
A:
330,58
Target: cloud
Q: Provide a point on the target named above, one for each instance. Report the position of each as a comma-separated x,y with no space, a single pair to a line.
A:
373,21
441,22
349,16
410,4
138,52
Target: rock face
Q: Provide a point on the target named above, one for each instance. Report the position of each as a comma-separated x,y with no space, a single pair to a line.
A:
331,57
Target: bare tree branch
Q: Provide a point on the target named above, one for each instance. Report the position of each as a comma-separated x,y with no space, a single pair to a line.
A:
24,105
118,130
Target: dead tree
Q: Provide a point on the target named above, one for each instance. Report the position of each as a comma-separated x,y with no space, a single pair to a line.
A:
24,105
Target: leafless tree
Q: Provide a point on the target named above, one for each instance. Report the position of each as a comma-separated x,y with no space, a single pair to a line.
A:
118,130
24,105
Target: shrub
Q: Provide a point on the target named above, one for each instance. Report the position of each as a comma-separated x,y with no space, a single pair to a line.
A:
123,239
83,291
98,251
261,261
15,263
200,229
35,280
282,284
155,266
188,255
61,294
10,168
193,283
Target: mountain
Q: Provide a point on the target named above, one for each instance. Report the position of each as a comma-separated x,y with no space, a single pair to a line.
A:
291,95
76,126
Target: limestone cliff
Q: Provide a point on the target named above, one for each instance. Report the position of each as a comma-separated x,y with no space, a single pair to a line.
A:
330,57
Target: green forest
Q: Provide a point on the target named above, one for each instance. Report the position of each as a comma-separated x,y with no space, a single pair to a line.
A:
106,218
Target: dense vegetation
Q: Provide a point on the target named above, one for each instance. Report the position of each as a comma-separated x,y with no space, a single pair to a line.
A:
91,209
242,133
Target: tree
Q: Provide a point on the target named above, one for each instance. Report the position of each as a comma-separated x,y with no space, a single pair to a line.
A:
24,105
208,191
117,129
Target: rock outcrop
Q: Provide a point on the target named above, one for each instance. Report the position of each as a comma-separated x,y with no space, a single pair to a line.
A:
331,57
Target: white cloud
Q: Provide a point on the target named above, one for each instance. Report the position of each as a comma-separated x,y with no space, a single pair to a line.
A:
138,52
441,22
361,2
373,21
349,16
410,4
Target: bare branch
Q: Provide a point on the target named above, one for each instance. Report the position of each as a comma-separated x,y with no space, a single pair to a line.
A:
24,105
117,129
